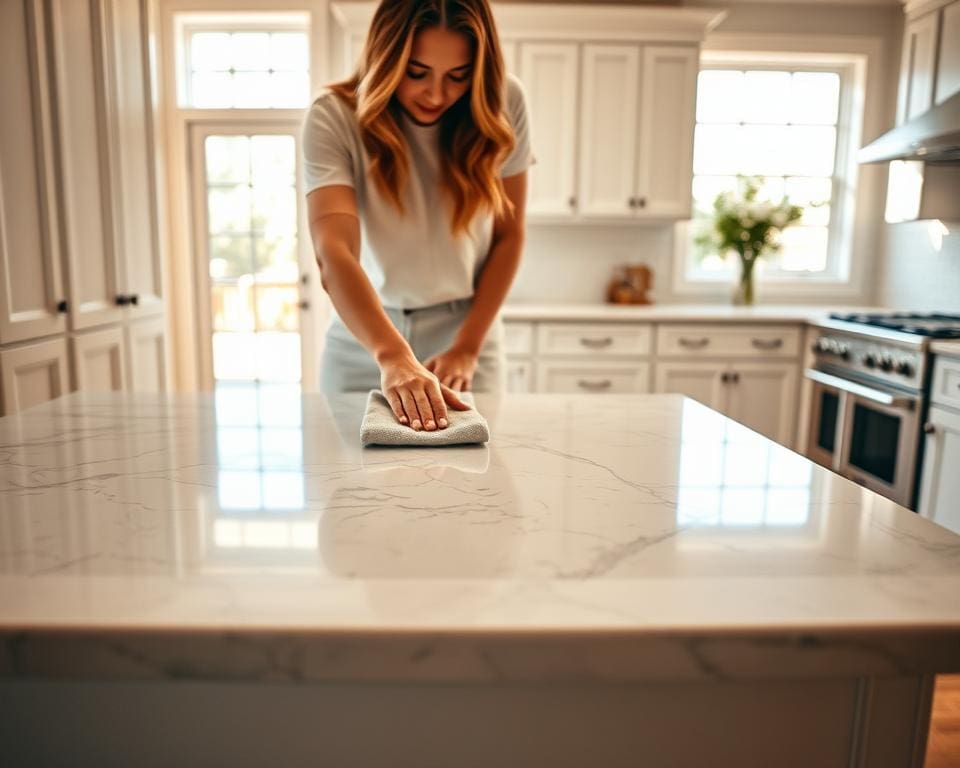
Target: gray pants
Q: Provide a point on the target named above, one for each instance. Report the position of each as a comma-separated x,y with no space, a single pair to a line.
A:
347,367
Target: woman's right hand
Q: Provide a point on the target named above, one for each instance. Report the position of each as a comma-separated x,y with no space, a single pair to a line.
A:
415,394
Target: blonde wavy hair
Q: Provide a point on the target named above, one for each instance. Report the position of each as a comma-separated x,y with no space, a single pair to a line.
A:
475,135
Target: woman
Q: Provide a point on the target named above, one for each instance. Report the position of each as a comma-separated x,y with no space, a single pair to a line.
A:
415,173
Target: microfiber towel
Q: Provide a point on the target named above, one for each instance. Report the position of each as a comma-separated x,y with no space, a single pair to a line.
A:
380,426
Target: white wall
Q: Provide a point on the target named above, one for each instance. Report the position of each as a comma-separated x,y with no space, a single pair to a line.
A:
570,263
914,273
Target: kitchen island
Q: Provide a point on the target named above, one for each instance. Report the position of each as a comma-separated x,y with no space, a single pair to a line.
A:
613,580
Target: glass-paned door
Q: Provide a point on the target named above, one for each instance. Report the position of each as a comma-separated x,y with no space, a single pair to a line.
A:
254,269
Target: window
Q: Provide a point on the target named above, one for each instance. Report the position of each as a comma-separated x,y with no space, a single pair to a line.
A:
244,61
788,122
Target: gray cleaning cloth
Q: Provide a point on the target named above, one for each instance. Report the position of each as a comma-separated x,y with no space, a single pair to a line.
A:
380,426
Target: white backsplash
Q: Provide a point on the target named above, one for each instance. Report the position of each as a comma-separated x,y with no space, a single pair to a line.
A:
920,271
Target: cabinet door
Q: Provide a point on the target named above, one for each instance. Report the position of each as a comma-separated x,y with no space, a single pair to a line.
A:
940,491
135,198
698,380
763,396
519,375
917,67
100,361
93,272
668,102
146,355
948,64
608,128
33,374
30,280
549,74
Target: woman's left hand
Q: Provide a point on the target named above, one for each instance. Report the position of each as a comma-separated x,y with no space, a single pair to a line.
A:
455,368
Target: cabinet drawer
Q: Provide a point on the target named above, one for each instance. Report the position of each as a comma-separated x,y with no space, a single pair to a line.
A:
728,341
605,377
518,338
946,382
614,339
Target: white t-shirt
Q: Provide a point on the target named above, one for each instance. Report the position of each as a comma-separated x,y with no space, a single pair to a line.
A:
411,259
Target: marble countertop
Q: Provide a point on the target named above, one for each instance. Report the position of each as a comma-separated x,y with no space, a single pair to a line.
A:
246,536
673,312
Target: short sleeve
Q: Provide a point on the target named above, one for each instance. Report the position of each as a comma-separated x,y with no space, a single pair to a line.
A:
522,156
325,142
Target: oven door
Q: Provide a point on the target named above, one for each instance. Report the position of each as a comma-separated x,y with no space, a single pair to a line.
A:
867,434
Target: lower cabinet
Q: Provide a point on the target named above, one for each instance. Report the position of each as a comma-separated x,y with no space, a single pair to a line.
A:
99,359
146,355
33,374
940,491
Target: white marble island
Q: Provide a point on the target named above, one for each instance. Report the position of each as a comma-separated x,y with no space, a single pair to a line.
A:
613,580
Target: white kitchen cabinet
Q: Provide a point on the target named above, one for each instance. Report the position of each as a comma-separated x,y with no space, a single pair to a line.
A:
701,381
608,129
763,396
948,64
135,200
596,340
146,355
91,249
100,360
667,117
917,66
549,75
729,340
520,375
608,376
31,374
31,282
940,488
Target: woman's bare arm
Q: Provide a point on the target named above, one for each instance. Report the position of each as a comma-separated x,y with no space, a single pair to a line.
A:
335,232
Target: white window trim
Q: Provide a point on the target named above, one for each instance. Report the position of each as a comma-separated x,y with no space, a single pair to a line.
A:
864,104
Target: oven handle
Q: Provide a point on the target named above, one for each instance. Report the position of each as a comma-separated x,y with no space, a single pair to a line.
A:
859,390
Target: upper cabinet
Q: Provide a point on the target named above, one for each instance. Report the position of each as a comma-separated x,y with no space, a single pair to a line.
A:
611,93
948,68
31,283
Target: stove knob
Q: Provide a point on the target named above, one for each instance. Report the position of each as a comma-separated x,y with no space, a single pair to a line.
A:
904,368
886,363
843,350
821,345
870,360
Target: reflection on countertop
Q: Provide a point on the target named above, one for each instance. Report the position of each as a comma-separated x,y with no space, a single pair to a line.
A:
257,508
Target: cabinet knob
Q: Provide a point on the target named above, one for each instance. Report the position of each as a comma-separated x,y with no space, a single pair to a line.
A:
929,429
641,202
632,202
134,298
304,304
122,300
62,307
572,201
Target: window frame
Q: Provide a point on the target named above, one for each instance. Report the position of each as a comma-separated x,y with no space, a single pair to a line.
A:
840,275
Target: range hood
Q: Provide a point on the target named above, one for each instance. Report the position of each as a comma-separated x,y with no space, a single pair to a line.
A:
933,137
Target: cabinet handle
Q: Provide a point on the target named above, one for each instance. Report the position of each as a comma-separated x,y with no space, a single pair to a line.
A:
304,304
683,341
641,202
767,343
725,377
929,429
134,298
735,377
594,385
122,300
572,201
597,343
62,307
632,202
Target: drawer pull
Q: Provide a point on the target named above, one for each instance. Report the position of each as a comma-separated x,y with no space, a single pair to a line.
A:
767,343
597,343
594,385
693,343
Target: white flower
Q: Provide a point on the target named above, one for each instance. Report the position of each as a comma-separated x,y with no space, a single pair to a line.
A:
746,222
744,236
779,218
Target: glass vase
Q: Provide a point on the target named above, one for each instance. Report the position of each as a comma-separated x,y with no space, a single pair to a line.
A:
743,292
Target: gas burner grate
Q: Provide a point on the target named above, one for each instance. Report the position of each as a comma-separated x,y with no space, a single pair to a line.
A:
932,325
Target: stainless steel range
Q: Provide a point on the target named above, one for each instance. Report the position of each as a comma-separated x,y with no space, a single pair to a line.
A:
870,383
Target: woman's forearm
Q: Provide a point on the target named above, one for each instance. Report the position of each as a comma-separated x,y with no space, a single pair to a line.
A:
358,305
492,287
